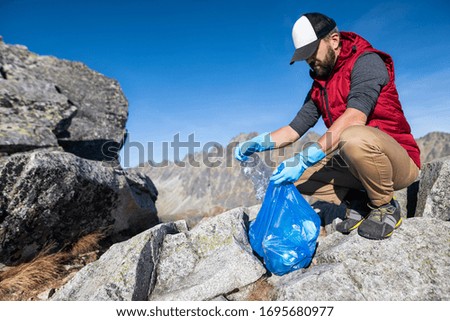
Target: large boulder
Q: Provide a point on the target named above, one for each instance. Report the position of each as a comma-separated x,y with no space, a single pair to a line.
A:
48,102
57,197
125,272
413,264
433,199
169,262
213,258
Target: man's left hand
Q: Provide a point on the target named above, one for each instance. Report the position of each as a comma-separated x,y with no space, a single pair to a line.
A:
291,169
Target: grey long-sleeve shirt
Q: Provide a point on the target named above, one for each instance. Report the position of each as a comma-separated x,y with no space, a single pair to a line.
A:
368,77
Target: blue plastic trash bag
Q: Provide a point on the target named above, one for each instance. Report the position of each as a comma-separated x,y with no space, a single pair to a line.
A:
285,231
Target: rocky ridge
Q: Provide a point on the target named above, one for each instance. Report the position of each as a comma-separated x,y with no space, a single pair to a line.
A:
61,127
434,145
213,261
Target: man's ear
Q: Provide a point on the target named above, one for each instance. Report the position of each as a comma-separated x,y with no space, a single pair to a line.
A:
335,40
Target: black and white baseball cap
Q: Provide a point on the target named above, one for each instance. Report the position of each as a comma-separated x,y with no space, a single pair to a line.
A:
307,33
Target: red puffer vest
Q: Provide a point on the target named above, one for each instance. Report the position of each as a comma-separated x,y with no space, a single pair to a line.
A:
330,95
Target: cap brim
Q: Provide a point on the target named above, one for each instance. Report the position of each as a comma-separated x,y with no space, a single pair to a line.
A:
305,52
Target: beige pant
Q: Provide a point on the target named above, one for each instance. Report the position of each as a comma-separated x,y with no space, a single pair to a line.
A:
367,159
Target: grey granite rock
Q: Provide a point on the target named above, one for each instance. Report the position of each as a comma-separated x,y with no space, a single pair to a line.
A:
125,272
48,102
212,259
413,264
433,199
252,211
57,197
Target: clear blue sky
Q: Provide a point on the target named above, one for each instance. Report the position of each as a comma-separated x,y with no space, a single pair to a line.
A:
218,68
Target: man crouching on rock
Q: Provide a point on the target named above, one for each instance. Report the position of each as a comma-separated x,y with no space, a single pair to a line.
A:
368,145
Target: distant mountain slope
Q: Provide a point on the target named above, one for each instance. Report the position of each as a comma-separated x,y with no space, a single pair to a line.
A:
434,145
192,192
197,191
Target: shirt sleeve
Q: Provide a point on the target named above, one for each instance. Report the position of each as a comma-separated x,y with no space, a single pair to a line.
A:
368,77
306,117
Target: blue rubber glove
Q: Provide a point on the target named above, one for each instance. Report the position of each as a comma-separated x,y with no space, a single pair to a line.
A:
291,169
259,143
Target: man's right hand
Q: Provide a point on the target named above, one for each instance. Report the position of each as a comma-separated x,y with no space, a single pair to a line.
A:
257,144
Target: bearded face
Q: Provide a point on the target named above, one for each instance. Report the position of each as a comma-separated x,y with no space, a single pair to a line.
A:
322,61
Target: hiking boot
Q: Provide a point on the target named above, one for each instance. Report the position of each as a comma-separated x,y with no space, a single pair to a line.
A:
353,221
381,222
357,212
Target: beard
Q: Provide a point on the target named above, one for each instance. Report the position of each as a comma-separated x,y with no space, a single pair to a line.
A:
322,69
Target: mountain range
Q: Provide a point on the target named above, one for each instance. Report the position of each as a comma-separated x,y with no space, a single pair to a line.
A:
194,192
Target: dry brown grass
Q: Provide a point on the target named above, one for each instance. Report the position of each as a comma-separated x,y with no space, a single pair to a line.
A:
27,278
86,244
261,291
47,270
